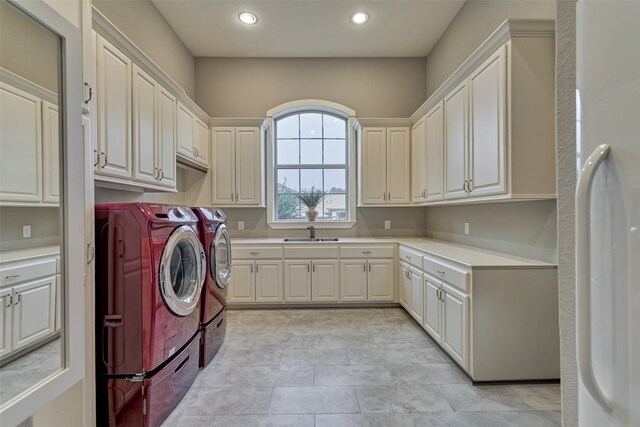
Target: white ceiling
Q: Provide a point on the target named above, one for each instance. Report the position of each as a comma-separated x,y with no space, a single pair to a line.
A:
309,28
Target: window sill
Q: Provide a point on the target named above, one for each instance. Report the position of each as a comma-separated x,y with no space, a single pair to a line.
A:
302,225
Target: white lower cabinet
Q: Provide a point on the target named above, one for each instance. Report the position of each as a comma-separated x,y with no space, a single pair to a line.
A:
5,321
256,281
405,287
411,291
432,309
455,324
311,280
380,283
353,280
366,280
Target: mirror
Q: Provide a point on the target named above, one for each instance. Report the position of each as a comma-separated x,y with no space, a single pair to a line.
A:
31,205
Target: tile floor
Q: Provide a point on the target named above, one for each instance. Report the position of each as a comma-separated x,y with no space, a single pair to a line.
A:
348,367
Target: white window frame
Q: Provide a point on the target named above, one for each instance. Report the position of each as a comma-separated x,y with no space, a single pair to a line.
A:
315,105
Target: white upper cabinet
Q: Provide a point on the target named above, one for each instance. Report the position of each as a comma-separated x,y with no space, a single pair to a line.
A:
419,162
166,140
51,152
487,144
184,124
455,141
201,141
20,146
193,138
385,169
237,159
434,120
114,110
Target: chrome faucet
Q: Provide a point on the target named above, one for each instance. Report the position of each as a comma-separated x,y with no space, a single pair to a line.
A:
312,232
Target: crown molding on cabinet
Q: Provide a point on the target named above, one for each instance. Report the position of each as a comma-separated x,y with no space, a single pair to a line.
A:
510,28
236,121
382,122
28,86
110,32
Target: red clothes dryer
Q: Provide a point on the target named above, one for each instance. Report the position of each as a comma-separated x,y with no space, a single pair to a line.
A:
150,269
217,245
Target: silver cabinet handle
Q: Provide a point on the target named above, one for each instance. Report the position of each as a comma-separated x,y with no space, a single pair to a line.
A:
440,272
369,267
257,268
10,301
583,273
384,196
91,253
364,267
161,174
252,268
104,157
366,252
97,158
19,298
254,253
389,196
408,257
236,197
469,185
232,197
307,268
314,268
438,293
12,276
90,95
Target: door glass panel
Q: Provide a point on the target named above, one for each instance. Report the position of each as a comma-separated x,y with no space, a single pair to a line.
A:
183,270
221,261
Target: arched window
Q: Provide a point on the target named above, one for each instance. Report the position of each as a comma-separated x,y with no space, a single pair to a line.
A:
311,152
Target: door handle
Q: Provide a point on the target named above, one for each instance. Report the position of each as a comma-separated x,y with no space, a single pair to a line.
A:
112,320
104,156
19,298
583,273
10,301
97,158
161,174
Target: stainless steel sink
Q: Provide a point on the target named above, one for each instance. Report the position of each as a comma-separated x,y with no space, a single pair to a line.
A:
311,240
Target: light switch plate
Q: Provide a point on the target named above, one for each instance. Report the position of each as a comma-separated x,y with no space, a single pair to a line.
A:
466,228
387,225
26,231
240,225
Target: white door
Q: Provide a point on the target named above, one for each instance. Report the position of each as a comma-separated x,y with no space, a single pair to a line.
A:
51,152
184,125
248,166
223,175
33,311
353,280
6,302
20,146
325,280
242,287
417,300
432,308
297,281
114,110
398,166
201,141
455,142
145,155
418,161
405,288
487,128
373,161
166,137
268,281
455,329
380,280
435,153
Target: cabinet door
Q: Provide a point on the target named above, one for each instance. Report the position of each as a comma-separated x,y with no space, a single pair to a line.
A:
51,152
373,163
432,308
455,142
398,166
353,280
33,311
5,321
435,154
114,110
417,301
223,175
325,280
20,146
201,141
405,288
268,281
145,156
248,166
487,143
167,137
242,287
455,328
418,161
297,281
380,280
184,124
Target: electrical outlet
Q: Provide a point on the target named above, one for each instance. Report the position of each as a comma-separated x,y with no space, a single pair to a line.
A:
240,225
466,228
387,225
26,231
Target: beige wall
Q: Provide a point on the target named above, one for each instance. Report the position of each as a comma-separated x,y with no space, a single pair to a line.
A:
28,49
146,27
69,9
470,28
249,87
44,222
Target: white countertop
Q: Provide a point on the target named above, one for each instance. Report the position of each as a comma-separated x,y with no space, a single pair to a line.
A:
465,255
9,256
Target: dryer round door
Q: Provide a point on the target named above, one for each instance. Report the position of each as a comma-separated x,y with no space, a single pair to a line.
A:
182,271
220,259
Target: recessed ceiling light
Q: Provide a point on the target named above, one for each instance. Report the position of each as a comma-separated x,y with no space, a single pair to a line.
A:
248,18
360,18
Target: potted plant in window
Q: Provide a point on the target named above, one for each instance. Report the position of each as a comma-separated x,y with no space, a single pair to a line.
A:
311,198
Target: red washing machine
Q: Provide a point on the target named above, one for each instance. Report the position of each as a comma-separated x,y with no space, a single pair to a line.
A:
150,269
217,245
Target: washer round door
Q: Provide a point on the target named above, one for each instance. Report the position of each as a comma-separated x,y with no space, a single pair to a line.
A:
220,259
182,271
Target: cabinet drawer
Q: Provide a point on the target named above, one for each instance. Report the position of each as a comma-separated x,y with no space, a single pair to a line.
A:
20,272
256,253
411,257
310,252
446,272
366,252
